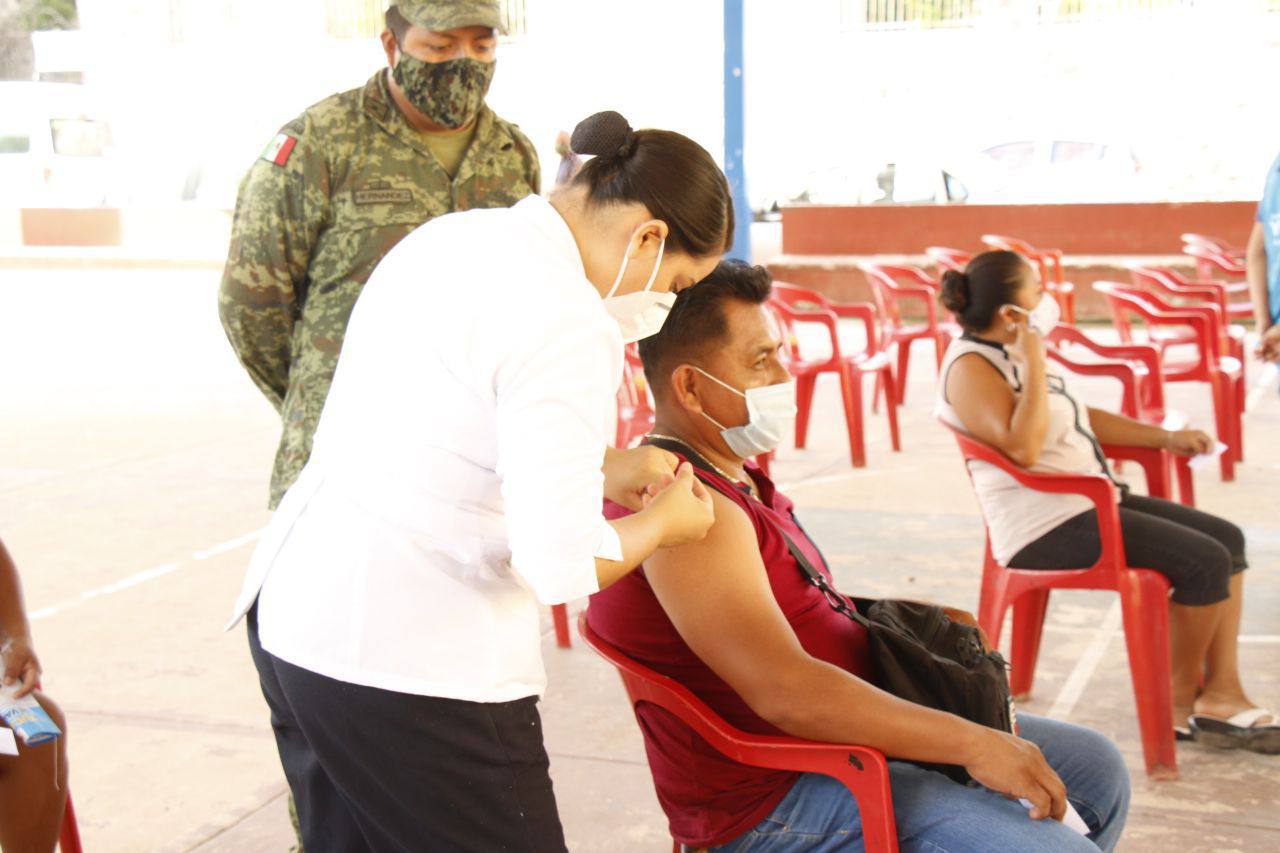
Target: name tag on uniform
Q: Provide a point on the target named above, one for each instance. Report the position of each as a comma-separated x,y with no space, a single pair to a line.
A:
382,195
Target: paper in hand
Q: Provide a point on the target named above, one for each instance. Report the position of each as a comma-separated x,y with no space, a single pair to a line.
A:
1202,459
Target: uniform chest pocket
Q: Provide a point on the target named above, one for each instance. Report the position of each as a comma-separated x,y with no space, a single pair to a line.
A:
381,204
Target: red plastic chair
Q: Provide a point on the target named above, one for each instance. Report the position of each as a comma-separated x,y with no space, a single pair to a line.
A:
1224,374
1216,243
69,837
1143,601
1170,285
945,258
1137,368
796,305
1049,263
861,769
1211,263
889,285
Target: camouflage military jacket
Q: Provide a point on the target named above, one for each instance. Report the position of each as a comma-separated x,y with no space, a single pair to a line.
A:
337,188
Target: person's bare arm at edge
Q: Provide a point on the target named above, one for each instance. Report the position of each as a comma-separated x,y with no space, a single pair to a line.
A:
717,594
1256,273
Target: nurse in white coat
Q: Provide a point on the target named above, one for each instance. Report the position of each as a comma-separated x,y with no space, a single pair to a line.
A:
456,485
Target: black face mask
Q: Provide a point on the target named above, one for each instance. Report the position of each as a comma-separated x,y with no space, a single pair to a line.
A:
449,93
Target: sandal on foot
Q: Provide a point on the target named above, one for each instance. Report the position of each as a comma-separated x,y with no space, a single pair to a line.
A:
1237,731
1183,733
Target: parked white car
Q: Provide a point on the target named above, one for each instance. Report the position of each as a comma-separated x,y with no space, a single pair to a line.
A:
55,147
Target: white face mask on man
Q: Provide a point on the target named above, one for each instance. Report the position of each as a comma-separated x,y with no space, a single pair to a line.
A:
771,411
1044,317
641,314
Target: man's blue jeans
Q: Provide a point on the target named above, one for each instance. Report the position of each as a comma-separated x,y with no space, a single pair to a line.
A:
937,815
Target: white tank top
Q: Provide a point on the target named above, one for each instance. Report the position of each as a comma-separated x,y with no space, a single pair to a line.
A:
1016,515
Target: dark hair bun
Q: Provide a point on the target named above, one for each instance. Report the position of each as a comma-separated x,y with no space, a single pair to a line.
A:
605,134
955,291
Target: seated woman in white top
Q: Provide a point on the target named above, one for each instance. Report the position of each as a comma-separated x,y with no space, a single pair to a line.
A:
997,387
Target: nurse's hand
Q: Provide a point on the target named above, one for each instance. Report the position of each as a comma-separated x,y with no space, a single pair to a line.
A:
683,507
629,474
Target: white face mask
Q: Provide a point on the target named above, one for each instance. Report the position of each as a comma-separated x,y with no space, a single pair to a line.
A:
1045,316
641,314
771,411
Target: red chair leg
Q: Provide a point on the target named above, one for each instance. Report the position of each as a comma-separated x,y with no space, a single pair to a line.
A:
804,406
893,390
1144,603
993,598
904,363
560,618
1028,627
1186,483
1240,397
1224,417
69,838
851,392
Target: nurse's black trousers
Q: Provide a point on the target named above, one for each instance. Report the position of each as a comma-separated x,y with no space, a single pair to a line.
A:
375,770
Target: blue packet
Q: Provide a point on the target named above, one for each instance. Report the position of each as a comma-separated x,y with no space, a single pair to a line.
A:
27,719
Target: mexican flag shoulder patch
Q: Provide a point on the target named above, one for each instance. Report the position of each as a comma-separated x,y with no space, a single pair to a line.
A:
280,148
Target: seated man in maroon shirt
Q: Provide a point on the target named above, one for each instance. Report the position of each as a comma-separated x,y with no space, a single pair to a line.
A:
735,620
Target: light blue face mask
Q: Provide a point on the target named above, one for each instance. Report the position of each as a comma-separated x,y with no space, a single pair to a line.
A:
771,411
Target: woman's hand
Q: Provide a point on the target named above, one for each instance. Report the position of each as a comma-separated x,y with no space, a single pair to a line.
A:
964,617
20,664
1027,343
683,506
629,474
1188,442
1017,769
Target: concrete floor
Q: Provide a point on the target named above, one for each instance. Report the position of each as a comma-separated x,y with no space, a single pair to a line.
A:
133,465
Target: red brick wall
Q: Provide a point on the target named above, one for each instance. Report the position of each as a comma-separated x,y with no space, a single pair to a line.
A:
1081,229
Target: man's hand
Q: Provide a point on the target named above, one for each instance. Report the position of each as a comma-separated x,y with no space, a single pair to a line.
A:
1189,442
1016,768
629,474
1269,344
964,617
20,664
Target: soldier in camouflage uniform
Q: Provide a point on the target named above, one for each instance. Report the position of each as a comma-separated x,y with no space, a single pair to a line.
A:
343,183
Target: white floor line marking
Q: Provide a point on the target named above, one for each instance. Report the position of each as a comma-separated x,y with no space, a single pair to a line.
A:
1259,639
141,577
1079,678
229,545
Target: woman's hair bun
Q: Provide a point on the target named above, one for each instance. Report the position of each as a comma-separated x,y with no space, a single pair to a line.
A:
605,134
955,291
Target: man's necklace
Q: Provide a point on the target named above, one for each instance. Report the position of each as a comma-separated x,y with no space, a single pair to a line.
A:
714,467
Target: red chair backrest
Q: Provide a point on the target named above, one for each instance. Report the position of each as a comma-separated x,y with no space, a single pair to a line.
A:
884,280
1216,243
1168,284
1209,258
949,259
1126,302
